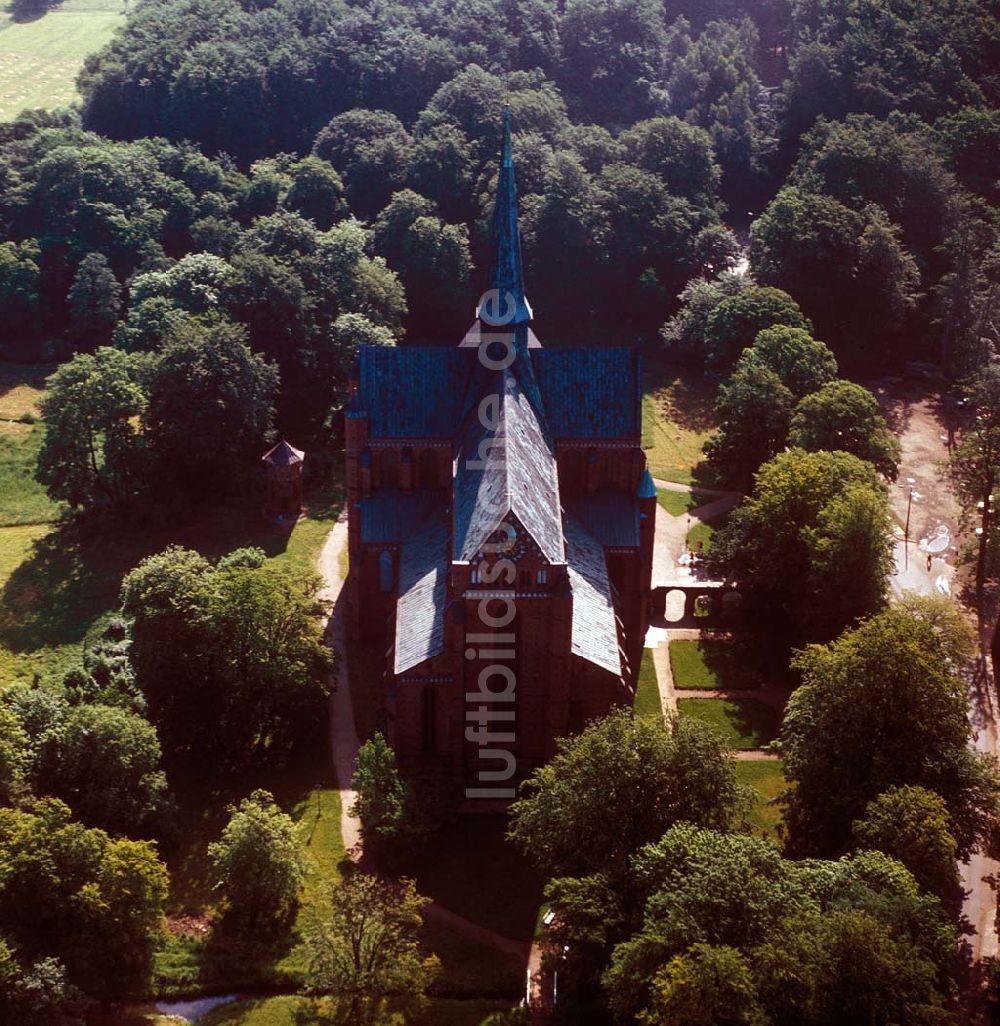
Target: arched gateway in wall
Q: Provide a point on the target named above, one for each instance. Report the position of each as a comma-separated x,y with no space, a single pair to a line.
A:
697,604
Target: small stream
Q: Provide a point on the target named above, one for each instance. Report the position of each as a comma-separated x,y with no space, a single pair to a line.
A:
194,1008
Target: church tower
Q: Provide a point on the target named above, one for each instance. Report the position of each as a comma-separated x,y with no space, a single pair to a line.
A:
524,561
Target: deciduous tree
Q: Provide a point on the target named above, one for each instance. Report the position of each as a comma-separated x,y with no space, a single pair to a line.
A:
811,543
753,409
104,763
734,324
95,301
882,707
975,466
619,785
75,894
211,404
381,801
844,416
365,957
258,864
912,825
803,364
93,453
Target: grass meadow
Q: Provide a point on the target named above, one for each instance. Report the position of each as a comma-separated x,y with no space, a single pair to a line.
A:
41,57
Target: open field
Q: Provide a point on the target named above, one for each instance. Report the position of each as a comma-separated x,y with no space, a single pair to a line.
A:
40,58
743,723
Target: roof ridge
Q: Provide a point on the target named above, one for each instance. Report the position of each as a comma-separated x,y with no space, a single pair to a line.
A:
516,459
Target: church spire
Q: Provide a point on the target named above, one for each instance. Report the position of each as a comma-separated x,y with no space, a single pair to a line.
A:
507,273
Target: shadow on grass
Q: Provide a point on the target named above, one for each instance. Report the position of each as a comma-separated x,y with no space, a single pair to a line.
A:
682,393
470,969
735,663
301,779
22,11
473,870
74,573
204,793
743,722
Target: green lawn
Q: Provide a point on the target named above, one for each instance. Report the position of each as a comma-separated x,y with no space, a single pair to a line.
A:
679,503
473,870
56,583
702,531
768,780
709,664
743,723
647,692
40,58
22,387
22,498
676,422
298,1011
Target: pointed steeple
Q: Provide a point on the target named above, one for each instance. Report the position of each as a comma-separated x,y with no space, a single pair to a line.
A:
506,272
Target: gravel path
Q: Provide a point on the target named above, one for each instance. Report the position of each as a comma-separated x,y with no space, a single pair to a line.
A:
672,532
915,412
343,736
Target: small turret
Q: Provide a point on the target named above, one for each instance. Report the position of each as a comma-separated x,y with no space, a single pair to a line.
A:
646,495
283,465
647,487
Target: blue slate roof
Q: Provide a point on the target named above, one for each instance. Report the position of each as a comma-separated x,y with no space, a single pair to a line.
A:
508,467
647,486
419,391
423,593
611,517
595,635
413,391
390,515
590,393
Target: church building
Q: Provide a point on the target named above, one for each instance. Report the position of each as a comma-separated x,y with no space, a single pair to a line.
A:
501,522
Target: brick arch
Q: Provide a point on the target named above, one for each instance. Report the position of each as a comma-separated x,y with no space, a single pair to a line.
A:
721,604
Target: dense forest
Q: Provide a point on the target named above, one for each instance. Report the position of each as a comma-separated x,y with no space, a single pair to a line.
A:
775,196
319,174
